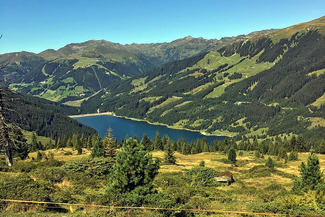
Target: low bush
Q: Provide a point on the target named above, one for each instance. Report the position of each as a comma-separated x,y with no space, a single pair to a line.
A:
24,187
91,167
203,176
51,174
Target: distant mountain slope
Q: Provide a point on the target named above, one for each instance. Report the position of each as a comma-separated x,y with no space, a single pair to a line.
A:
45,117
77,71
269,84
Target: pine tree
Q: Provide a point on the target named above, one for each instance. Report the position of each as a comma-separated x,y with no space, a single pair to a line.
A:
20,146
98,148
169,155
69,143
232,155
34,144
109,145
157,142
134,171
79,149
89,143
310,175
293,156
269,163
75,141
5,142
146,142
205,147
39,156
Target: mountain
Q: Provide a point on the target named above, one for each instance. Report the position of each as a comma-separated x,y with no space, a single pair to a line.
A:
77,71
42,116
269,84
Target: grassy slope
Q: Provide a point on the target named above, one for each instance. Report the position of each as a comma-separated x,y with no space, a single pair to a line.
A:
250,187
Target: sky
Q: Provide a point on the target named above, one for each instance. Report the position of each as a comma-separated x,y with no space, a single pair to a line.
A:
37,25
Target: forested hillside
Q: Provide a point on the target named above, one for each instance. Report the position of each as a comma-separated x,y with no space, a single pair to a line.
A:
263,84
46,118
268,85
73,73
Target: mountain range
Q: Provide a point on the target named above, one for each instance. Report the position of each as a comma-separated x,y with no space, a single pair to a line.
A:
266,83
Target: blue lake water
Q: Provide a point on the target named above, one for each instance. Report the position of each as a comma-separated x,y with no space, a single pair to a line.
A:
122,127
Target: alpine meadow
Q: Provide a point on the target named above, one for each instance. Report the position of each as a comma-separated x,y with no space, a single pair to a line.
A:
255,104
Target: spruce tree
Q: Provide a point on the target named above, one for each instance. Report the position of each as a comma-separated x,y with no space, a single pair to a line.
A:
169,155
133,172
19,143
146,142
109,145
269,163
232,155
75,141
157,142
205,147
39,156
310,175
34,144
98,148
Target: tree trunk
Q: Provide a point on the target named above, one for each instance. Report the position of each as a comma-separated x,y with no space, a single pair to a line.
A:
5,144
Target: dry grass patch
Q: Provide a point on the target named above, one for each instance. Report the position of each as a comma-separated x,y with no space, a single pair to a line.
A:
61,154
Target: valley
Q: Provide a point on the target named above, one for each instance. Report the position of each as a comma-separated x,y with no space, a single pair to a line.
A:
192,127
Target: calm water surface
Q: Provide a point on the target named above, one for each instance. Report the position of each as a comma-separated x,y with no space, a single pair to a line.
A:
124,127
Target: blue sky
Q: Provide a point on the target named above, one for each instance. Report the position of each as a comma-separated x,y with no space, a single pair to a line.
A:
36,25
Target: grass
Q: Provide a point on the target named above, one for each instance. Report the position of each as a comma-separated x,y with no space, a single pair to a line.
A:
63,92
317,73
84,62
316,122
319,102
247,67
44,140
166,102
181,123
151,99
139,84
218,91
253,182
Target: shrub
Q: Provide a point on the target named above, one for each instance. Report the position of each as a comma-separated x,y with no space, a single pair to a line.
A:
51,174
95,167
203,176
39,156
293,156
269,163
232,155
23,187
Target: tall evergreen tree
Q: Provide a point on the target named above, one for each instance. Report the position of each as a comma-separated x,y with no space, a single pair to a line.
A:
75,141
232,155
19,143
310,175
34,144
133,172
98,147
146,142
109,145
269,163
158,142
169,155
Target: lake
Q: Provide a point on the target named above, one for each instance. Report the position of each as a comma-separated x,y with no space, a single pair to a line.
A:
122,127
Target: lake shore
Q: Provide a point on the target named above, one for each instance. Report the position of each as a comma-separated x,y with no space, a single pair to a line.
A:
143,120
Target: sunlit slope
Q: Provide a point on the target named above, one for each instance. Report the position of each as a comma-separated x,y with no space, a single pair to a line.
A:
256,87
